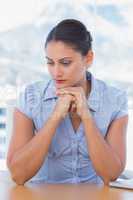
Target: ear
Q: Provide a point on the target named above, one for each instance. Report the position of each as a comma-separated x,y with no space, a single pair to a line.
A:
89,58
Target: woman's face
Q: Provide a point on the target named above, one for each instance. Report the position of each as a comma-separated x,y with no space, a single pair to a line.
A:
65,63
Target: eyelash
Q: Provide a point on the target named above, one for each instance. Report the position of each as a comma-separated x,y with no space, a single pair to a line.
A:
67,63
61,63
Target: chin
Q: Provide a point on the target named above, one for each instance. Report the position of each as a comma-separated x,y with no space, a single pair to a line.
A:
61,86
65,85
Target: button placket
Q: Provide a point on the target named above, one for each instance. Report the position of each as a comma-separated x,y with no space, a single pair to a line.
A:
74,157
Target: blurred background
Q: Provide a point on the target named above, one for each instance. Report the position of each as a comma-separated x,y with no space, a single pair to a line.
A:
24,26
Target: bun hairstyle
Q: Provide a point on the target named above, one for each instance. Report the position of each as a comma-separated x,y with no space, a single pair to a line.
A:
73,33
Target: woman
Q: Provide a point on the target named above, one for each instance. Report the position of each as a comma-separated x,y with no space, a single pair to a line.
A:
72,129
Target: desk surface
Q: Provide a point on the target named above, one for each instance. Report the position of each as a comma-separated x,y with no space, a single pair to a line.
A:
9,191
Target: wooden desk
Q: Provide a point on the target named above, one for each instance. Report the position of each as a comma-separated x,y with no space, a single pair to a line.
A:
9,191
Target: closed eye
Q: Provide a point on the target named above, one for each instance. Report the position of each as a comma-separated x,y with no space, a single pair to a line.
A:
66,62
50,63
62,61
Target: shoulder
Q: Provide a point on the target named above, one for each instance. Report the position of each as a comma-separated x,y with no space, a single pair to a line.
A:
111,93
35,89
29,97
113,99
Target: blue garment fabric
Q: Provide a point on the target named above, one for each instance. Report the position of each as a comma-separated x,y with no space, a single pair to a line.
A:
68,159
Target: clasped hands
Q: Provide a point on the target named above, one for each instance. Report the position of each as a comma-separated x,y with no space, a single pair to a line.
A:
79,103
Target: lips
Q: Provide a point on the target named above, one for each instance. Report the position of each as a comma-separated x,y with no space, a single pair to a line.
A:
59,81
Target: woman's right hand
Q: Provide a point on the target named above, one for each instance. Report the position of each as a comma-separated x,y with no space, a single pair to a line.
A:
63,105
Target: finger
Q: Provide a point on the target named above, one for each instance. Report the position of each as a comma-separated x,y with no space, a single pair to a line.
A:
76,95
66,92
61,92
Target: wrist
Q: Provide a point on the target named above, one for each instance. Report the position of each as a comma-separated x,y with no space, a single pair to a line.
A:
86,115
56,116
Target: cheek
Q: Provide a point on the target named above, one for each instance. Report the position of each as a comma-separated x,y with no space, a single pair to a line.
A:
78,69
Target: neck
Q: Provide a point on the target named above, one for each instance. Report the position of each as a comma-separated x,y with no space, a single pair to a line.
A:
86,85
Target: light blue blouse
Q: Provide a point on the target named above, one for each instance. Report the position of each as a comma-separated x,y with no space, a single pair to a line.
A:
68,159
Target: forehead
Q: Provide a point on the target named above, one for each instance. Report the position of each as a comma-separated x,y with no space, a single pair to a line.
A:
60,49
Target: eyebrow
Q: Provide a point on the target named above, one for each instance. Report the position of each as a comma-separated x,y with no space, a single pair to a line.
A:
60,58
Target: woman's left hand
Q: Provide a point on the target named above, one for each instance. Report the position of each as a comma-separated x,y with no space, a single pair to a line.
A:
82,108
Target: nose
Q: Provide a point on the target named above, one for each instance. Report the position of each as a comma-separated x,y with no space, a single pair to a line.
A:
58,72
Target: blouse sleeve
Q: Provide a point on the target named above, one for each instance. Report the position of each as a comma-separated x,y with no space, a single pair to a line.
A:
25,101
121,105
